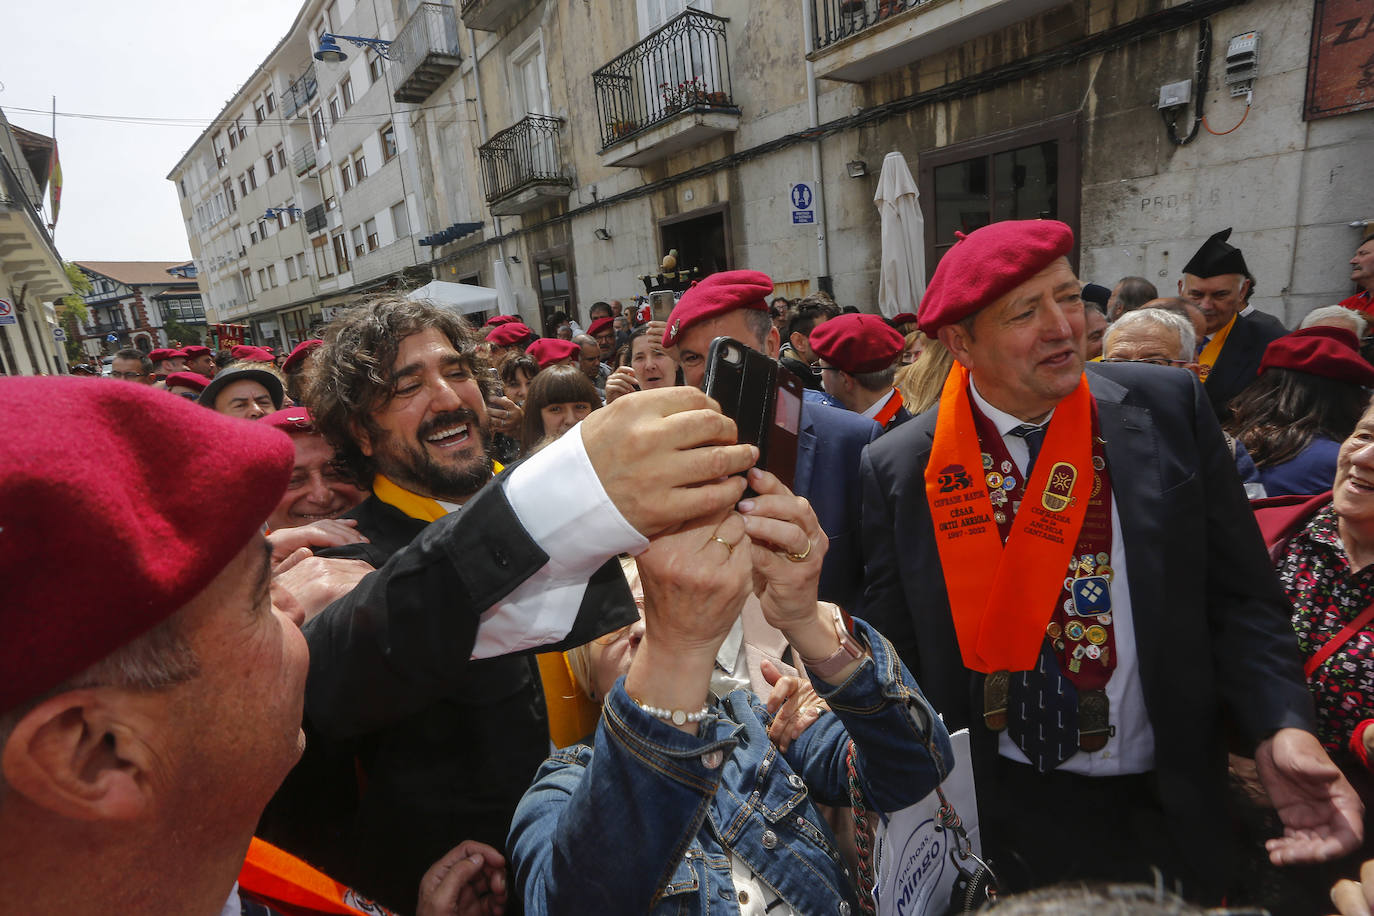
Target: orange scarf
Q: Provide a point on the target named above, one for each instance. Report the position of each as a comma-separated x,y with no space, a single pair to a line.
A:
1001,598
285,883
1212,351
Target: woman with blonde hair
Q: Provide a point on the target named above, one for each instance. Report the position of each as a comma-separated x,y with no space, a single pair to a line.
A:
921,382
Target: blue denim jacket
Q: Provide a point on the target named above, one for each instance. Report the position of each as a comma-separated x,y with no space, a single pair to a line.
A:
642,822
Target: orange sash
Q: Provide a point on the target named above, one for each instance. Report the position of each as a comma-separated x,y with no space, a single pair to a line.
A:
1002,597
1210,353
894,404
285,883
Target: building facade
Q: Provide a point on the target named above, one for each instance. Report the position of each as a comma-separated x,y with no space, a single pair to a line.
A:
589,139
131,304
31,271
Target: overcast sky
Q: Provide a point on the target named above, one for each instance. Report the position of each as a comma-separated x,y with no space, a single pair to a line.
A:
140,59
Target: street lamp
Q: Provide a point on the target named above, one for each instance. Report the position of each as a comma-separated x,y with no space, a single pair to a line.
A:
330,52
274,212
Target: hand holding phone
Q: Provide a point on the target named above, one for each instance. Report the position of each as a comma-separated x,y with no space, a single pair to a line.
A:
764,400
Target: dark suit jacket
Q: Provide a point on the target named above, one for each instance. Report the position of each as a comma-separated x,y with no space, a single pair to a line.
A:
1240,358
444,747
829,446
1211,623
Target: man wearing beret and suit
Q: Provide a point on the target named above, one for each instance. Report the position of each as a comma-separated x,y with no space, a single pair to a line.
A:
1102,627
734,304
447,721
858,361
1218,281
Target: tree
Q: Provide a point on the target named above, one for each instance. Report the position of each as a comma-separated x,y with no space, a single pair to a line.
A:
183,334
71,308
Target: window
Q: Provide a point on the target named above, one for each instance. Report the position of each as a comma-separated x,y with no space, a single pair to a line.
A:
185,308
341,252
262,229
291,275
271,164
246,278
221,157
281,218
300,265
374,65
346,174
243,185
318,128
281,157
253,234
388,135
233,138
370,230
259,112
346,91
252,174
359,165
400,223
1024,174
322,265
272,275
327,189
289,211
359,247
229,194
334,110
241,130
262,279
554,268
181,183
271,99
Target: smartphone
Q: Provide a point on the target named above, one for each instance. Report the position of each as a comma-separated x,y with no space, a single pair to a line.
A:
661,306
764,400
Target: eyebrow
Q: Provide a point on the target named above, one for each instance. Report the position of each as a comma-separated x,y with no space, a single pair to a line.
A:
417,366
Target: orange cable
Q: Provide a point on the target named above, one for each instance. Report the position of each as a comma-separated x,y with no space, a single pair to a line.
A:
1222,133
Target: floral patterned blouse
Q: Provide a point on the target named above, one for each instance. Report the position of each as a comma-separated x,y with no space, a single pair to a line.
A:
1326,595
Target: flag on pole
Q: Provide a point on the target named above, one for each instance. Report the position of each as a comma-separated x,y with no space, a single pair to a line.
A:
54,185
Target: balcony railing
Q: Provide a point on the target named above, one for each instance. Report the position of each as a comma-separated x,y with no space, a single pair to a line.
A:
487,15
299,93
523,155
315,218
102,328
425,52
683,66
303,159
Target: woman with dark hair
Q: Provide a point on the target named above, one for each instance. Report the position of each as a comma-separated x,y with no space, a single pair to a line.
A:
517,370
1309,395
558,399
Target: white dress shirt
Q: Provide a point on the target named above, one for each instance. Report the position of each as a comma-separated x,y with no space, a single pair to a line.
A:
1132,748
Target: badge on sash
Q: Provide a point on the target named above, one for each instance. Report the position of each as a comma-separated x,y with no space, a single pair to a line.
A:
1091,596
1093,727
1058,494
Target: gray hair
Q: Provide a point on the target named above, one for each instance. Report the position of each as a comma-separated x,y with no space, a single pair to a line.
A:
1141,318
1338,315
583,340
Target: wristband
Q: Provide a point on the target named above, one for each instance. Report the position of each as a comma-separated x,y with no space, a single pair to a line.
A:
848,651
1357,742
675,716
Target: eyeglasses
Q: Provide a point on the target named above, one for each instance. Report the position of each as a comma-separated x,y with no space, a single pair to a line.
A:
129,376
1152,360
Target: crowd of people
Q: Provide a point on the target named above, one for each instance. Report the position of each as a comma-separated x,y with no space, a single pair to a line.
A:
427,617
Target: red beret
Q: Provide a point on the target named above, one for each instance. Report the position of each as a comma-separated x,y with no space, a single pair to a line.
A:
290,420
252,354
718,294
161,353
902,318
601,324
196,350
549,350
987,264
509,333
296,361
857,343
498,320
188,379
1329,352
86,476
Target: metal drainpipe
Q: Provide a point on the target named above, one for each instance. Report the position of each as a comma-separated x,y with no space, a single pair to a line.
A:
813,114
482,132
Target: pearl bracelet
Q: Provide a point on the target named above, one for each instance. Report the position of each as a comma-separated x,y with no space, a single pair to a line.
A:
675,716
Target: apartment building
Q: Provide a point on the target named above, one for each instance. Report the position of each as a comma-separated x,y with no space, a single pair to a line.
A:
131,304
302,194
31,271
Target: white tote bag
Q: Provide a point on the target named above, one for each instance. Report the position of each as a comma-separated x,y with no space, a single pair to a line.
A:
917,858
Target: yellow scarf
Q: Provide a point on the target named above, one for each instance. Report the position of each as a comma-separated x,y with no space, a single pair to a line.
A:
571,715
1208,359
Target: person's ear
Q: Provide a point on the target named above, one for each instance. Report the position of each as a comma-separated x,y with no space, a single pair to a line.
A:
84,755
772,343
361,437
956,340
798,340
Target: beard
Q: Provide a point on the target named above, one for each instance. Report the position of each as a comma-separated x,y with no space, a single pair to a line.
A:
413,466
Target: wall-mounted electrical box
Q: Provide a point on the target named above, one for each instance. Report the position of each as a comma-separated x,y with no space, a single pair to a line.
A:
1175,95
1242,62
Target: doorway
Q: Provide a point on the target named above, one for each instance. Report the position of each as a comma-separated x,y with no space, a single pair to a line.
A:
702,239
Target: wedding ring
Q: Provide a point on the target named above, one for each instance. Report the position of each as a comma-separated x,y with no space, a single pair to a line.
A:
798,557
724,543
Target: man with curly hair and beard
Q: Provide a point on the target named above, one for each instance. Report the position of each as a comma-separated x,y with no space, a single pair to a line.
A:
424,710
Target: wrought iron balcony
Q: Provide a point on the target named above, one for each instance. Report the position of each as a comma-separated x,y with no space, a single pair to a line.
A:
303,159
838,19
680,68
425,52
522,167
103,328
297,96
316,219
487,15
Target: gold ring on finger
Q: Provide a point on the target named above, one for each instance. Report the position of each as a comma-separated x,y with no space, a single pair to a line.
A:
799,557
724,543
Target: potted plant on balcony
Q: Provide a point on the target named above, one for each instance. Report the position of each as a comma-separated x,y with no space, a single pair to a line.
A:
682,95
622,128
